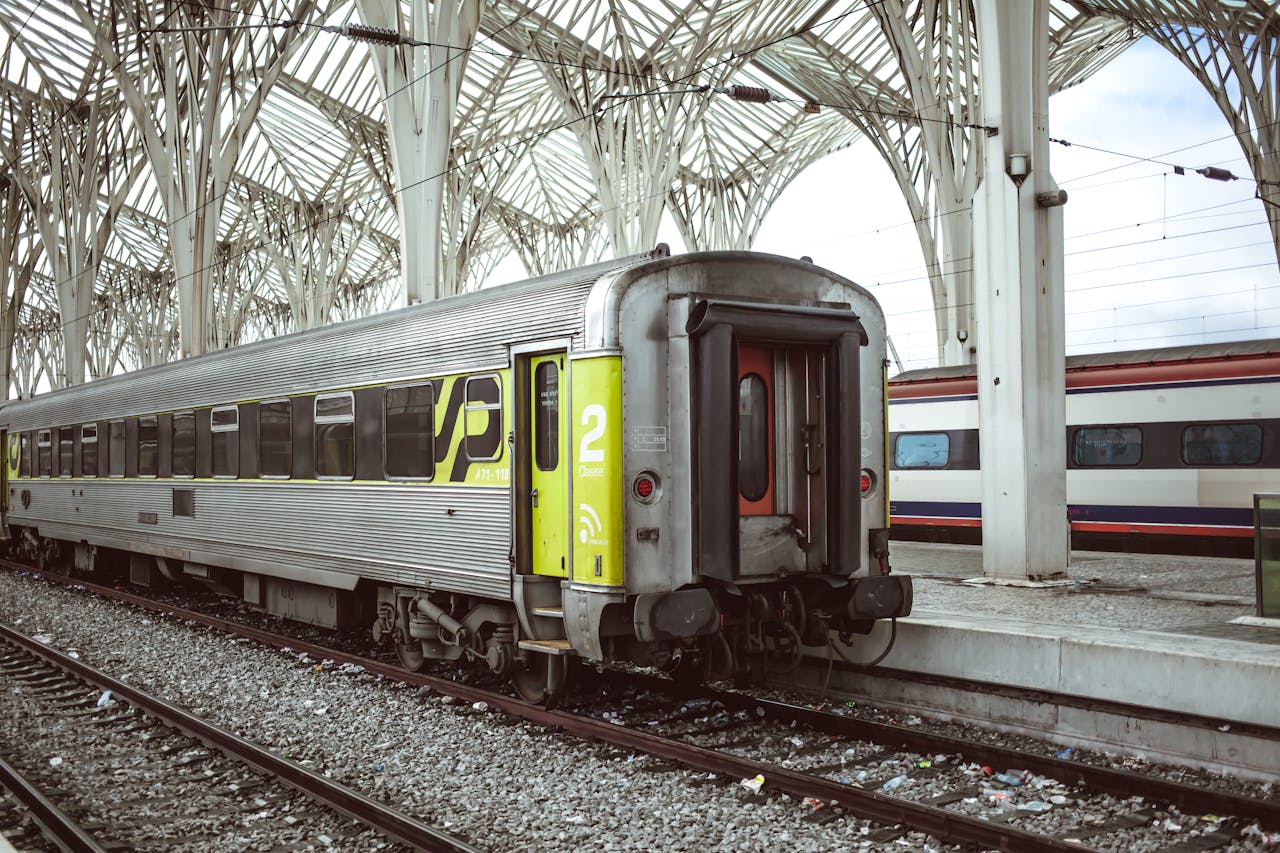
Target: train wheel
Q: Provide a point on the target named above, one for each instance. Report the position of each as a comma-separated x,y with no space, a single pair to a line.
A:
540,679
52,558
410,654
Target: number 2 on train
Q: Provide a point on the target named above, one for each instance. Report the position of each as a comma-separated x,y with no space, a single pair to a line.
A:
586,453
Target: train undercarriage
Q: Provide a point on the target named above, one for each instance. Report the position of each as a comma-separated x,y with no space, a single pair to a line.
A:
743,632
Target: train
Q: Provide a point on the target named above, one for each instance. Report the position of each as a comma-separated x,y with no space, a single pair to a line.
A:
675,461
1165,449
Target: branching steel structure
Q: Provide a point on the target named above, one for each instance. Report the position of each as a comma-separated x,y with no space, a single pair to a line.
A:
186,176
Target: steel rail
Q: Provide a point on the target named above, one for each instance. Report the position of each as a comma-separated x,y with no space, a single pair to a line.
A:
1121,783
58,827
1118,782
948,826
341,799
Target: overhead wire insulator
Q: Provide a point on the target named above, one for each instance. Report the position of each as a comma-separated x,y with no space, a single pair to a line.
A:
1217,173
373,35
749,94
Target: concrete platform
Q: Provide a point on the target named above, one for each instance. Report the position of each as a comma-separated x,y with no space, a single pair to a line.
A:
1150,631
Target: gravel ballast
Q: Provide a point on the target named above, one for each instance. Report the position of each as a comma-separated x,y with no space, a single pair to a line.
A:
500,787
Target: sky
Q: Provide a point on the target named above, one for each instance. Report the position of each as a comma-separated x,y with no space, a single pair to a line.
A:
1141,271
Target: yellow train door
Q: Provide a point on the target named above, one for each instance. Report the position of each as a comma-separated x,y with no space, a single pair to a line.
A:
549,465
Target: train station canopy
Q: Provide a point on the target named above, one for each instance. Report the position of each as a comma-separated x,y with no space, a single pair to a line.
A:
242,168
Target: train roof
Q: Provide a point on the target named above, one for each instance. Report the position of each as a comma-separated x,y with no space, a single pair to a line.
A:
471,332
554,301
1099,360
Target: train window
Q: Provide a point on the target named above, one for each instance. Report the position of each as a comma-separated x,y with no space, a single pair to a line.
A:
335,436
484,418
115,448
24,455
275,439
184,444
44,449
224,438
922,450
753,437
66,449
546,428
89,450
1222,444
148,447
1107,446
410,433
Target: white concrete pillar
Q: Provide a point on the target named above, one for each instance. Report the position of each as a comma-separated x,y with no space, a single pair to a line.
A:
1018,285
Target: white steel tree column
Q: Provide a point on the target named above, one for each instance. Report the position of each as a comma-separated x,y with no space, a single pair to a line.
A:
85,183
938,62
18,248
1018,282
178,71
420,86
17,261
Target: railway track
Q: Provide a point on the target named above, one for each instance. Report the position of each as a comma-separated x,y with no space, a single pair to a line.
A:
979,809
996,783
105,765
35,822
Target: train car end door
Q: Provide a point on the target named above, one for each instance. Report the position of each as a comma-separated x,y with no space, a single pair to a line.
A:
548,465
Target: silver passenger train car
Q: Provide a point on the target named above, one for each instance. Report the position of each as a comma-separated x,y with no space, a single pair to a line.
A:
660,459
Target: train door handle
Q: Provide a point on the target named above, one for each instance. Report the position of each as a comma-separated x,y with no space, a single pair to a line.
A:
534,496
810,431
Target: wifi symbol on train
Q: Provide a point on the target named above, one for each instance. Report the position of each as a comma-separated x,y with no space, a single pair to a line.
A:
589,522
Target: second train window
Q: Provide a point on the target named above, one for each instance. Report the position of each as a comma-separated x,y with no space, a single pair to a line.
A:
335,436
184,444
1222,444
224,441
1104,446
275,439
922,450
410,433
148,447
89,450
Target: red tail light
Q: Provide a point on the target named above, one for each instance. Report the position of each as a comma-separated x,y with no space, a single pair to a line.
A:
645,487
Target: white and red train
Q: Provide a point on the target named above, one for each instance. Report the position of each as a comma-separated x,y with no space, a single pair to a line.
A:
1165,448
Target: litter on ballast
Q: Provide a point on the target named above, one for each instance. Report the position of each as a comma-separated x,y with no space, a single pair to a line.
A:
753,785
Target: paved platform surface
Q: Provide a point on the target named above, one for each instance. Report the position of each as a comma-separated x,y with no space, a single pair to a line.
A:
1154,592
1146,630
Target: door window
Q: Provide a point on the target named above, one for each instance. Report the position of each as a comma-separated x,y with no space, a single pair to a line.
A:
546,428
753,437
